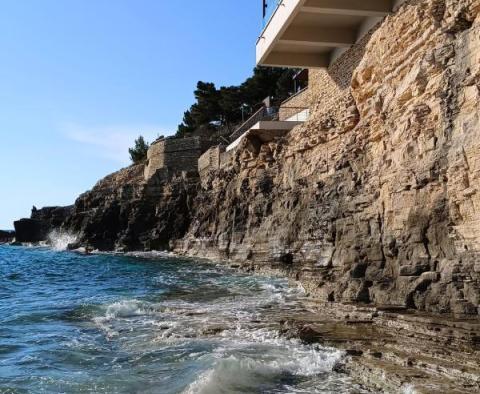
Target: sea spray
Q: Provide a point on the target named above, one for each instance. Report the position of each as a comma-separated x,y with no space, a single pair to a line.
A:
59,240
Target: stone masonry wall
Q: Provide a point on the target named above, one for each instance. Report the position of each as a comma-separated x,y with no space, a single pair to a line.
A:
176,154
330,90
375,199
210,160
213,160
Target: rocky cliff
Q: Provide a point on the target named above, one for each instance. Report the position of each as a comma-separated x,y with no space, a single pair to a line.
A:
40,224
125,212
6,236
373,204
376,198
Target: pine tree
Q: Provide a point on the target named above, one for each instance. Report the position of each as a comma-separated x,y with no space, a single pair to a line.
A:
215,108
139,152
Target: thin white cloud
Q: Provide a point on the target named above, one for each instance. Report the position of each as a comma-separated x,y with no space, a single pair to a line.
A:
111,142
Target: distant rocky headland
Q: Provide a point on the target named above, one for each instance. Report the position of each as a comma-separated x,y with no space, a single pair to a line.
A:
372,203
6,236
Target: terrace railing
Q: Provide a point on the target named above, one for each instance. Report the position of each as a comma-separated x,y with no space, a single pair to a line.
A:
263,114
293,114
269,8
283,113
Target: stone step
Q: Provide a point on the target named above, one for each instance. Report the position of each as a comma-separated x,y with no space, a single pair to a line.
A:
391,377
412,353
446,364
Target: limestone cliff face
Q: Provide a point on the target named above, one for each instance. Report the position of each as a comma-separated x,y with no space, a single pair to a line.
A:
125,212
376,198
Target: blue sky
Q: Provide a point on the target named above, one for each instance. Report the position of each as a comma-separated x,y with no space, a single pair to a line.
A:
80,79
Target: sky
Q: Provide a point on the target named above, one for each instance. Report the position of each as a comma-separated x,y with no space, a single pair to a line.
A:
81,79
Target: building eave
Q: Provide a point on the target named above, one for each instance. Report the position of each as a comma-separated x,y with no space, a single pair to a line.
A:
305,33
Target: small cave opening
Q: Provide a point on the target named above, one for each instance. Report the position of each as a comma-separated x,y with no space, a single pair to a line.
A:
287,259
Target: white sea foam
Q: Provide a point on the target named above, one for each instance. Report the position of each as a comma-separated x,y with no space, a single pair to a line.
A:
34,245
102,323
59,240
250,372
124,309
154,254
408,389
246,353
287,354
242,347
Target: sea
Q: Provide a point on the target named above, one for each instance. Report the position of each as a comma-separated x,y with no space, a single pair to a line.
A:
150,323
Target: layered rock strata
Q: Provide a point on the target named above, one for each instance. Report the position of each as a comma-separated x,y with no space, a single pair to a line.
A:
376,198
392,350
126,212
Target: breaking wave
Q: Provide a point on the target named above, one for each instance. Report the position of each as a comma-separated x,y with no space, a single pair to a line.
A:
234,337
60,240
127,323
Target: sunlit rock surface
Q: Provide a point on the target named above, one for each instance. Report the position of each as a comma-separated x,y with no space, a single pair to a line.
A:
376,198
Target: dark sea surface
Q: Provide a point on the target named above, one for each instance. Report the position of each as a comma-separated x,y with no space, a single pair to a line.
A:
72,323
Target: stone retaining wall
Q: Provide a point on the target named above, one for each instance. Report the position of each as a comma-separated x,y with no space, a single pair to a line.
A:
177,154
212,160
330,89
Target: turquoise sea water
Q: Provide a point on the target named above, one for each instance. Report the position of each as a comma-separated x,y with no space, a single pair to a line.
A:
72,323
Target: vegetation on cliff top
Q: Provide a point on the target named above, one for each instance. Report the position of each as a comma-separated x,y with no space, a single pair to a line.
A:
217,111
139,151
224,107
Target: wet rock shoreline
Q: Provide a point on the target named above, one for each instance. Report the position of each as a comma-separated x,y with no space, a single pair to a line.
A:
387,348
396,351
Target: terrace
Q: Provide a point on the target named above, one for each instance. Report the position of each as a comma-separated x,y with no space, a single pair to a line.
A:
269,123
312,33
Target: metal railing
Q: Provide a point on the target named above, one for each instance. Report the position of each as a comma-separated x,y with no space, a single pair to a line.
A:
293,114
269,7
264,113
283,113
